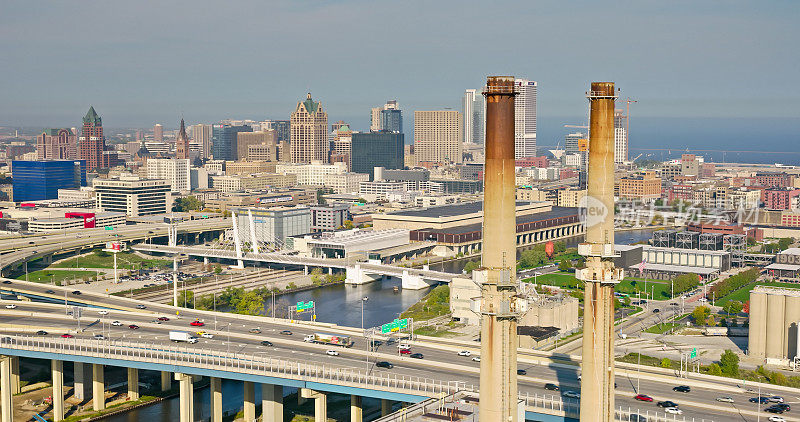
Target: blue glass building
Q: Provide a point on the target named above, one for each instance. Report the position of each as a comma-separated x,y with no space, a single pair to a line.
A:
37,180
223,140
392,120
376,149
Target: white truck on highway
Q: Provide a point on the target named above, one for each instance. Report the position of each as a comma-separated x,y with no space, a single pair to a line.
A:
178,336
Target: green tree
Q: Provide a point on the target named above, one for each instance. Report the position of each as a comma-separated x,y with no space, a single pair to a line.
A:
729,363
347,224
186,298
217,269
733,307
784,243
700,314
685,282
714,369
189,203
532,258
751,241
666,363
250,304
564,265
778,378
471,266
320,197
316,275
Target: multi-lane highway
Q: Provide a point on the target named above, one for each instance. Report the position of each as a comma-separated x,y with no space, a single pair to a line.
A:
441,360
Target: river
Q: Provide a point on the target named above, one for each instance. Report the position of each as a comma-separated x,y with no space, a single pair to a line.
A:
337,304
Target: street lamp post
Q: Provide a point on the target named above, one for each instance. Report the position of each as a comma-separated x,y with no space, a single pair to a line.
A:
363,300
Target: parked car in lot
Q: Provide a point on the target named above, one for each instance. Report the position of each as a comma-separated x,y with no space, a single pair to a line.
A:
643,397
384,364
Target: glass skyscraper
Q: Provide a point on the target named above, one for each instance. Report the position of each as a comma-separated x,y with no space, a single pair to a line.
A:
38,180
376,149
392,120
223,140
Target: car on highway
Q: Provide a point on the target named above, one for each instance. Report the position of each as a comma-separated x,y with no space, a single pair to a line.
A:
476,358
725,399
99,337
522,372
163,318
572,394
465,353
783,406
637,418
197,323
267,343
11,306
102,312
255,331
65,335
673,411
285,333
550,386
760,400
41,333
643,397
133,327
141,307
76,292
682,389
776,399
156,321
667,403
405,351
416,355
204,334
116,324
50,292
776,419
6,281
332,353
656,310
384,364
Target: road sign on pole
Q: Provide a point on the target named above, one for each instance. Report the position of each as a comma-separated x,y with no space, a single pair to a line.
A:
694,353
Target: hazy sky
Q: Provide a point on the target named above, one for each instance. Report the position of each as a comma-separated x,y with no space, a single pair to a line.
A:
142,62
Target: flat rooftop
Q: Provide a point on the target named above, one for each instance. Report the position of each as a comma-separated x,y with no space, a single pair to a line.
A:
452,210
555,212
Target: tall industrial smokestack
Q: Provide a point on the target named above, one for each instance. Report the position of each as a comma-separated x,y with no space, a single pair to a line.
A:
600,276
497,277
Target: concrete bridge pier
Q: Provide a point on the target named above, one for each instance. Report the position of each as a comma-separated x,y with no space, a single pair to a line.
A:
58,390
133,384
356,410
356,275
249,401
413,282
98,387
386,407
215,389
6,397
15,385
320,403
186,396
166,381
80,382
271,402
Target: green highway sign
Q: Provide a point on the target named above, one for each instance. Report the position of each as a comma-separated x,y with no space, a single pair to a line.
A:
694,353
396,325
109,228
305,306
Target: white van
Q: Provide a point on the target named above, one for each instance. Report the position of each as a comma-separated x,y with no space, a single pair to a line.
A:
309,338
404,346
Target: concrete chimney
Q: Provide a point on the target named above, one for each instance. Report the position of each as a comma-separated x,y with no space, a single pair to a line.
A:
497,277
600,276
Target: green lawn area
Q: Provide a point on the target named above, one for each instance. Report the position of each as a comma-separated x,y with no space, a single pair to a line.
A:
434,304
628,285
661,328
743,294
48,276
99,259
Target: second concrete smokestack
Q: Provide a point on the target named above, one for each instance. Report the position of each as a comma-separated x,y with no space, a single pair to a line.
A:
497,276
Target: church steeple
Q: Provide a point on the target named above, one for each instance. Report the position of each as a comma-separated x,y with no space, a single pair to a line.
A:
182,143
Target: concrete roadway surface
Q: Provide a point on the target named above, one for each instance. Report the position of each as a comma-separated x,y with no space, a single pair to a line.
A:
700,404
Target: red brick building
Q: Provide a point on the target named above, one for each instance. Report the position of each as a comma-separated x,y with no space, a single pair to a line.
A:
753,232
540,162
92,143
779,198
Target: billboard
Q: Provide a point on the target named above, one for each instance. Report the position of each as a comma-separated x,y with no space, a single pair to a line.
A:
89,219
583,145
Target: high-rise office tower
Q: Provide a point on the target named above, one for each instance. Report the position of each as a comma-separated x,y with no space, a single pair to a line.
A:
223,140
92,143
472,110
245,139
308,139
376,149
56,144
158,132
392,121
620,136
201,134
182,143
281,128
525,118
438,135
336,125
577,143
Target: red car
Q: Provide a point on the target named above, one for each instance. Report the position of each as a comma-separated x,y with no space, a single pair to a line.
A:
405,351
643,397
133,327
67,335
196,323
163,318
